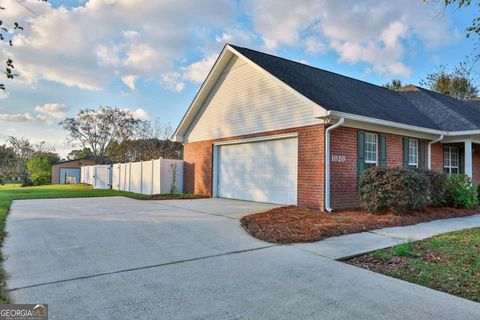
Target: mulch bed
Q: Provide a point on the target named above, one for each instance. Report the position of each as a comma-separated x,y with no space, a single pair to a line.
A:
184,196
297,224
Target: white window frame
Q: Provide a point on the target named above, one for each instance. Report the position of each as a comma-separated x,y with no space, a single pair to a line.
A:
415,152
375,162
448,166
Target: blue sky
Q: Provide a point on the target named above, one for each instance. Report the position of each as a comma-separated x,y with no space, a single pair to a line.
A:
151,56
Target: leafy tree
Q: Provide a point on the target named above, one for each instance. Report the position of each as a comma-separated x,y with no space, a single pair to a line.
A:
97,130
8,29
40,167
7,163
144,150
395,84
152,141
24,151
84,153
457,83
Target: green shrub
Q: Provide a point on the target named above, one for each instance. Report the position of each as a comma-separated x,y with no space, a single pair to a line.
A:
40,179
460,192
27,183
394,189
40,169
437,186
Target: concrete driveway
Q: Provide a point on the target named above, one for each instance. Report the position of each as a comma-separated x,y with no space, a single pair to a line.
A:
118,258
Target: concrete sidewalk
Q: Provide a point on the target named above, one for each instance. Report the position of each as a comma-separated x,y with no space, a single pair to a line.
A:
344,247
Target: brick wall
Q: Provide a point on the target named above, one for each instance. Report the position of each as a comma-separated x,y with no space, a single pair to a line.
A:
437,157
394,151
198,158
198,172
476,164
343,175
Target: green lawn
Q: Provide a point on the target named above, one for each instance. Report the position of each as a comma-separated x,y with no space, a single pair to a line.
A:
448,262
10,192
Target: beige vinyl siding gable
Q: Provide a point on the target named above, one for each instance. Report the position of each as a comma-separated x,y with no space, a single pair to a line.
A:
244,100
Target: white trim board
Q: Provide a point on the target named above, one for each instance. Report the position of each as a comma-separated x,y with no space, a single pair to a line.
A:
257,139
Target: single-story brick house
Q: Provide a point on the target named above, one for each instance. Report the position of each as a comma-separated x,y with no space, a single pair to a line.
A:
268,129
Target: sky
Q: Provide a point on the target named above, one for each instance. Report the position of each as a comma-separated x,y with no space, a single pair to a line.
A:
152,56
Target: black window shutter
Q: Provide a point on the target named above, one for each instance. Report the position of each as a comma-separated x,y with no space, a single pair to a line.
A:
383,151
461,158
360,153
421,154
405,152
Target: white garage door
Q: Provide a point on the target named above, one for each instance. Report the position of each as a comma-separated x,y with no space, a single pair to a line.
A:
264,171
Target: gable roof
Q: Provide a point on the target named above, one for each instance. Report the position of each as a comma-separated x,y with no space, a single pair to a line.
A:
415,107
336,92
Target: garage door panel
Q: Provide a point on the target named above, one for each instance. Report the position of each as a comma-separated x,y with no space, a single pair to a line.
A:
264,171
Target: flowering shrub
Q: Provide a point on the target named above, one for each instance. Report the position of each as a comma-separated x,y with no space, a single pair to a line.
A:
460,192
394,189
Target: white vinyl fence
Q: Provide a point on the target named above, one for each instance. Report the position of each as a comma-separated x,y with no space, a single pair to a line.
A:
145,177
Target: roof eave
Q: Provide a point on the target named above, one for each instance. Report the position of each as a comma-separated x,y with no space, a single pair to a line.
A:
464,132
386,123
213,74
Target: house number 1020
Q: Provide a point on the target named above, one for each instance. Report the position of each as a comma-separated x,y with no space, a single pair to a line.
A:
336,158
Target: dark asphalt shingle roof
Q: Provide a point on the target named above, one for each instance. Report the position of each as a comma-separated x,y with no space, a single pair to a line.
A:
340,93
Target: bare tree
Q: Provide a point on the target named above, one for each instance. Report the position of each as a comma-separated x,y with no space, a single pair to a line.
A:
97,130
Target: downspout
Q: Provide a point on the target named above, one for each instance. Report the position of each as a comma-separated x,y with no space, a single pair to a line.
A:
327,163
430,151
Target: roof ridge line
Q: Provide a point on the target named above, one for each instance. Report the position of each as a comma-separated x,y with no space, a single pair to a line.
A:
447,109
310,66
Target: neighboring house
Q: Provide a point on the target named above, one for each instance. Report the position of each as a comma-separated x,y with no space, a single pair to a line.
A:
68,171
268,129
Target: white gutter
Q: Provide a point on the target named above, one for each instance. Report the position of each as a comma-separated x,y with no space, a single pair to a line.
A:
327,163
383,122
430,150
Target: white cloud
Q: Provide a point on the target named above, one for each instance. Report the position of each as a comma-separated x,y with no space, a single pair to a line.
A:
373,31
100,40
141,114
18,117
53,110
314,46
237,37
303,61
173,81
129,81
195,72
198,71
45,113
